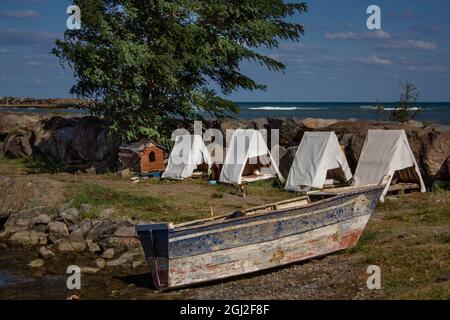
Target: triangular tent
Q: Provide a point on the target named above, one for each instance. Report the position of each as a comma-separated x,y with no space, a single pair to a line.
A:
248,159
188,153
387,153
319,156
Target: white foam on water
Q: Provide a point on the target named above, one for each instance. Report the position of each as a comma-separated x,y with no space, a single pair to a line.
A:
284,108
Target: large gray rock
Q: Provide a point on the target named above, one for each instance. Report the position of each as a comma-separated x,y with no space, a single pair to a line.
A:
126,259
70,215
58,230
102,229
28,238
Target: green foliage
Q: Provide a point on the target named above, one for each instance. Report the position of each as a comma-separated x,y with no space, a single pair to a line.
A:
379,112
406,109
149,65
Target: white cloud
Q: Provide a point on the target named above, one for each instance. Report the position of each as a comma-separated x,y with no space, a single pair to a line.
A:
26,14
408,44
369,35
377,61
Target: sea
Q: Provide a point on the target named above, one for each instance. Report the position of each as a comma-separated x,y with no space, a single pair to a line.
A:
432,112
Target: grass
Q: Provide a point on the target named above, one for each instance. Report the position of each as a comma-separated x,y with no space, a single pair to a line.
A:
125,204
409,239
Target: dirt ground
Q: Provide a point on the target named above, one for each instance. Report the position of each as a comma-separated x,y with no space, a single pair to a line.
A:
408,238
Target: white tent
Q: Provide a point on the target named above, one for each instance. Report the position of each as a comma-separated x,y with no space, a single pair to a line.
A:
247,150
386,153
188,153
318,154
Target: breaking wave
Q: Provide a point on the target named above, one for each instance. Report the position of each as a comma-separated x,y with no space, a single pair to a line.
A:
284,108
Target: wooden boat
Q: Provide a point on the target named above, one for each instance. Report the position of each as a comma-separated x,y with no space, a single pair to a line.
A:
258,238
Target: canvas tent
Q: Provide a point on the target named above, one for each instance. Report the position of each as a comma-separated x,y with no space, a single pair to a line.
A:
188,153
319,157
387,153
248,159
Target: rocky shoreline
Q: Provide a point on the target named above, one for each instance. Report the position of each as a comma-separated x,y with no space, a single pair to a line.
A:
106,242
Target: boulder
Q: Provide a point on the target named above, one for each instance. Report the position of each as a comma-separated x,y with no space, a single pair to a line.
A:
123,231
38,263
41,219
72,245
125,259
101,229
93,247
313,123
63,141
57,230
85,227
45,253
120,244
89,270
286,160
108,254
28,238
100,263
70,215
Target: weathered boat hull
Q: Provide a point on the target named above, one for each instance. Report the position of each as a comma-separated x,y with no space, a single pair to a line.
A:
190,254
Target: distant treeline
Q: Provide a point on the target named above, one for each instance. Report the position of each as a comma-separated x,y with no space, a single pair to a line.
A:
47,103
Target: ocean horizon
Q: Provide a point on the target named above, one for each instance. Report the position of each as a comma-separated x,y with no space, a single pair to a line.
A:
436,112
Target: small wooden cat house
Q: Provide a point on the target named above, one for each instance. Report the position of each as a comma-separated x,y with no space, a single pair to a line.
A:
143,156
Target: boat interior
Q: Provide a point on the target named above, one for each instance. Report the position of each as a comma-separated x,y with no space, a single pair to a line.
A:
298,202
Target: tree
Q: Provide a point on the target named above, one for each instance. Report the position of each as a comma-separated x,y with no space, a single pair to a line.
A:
406,109
146,64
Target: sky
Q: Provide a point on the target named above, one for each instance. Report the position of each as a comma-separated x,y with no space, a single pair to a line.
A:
337,60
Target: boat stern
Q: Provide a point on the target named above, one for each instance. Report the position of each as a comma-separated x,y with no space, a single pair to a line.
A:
155,241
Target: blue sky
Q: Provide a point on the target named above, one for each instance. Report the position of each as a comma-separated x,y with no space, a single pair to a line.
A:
338,59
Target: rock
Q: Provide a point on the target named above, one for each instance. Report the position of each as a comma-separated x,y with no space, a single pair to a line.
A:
28,238
106,213
89,270
38,263
40,228
101,263
414,123
57,230
312,123
17,145
70,246
125,232
41,219
93,247
104,228
85,227
70,215
286,160
437,151
120,244
65,246
108,254
63,141
137,264
77,241
44,252
85,208
125,259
